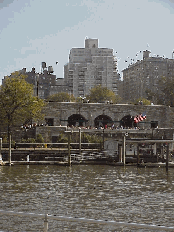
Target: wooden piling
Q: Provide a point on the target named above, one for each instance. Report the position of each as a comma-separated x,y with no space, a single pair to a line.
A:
138,155
124,149
69,149
80,141
9,152
1,151
167,158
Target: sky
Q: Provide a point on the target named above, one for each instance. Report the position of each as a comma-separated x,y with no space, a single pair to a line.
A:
36,31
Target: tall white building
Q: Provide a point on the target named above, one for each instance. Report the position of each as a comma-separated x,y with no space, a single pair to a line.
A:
90,66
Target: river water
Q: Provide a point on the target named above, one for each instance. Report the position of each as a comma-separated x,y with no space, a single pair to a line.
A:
140,195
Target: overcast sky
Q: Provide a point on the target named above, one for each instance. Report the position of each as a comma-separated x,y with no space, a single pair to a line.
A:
33,31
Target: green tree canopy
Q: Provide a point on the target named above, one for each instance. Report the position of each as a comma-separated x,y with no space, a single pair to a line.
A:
17,103
61,97
164,94
142,101
102,94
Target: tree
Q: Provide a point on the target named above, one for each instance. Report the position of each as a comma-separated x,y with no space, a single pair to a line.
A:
102,94
166,86
61,97
17,103
142,101
164,94
39,139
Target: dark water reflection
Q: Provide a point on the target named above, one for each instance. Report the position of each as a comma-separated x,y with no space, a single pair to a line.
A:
100,192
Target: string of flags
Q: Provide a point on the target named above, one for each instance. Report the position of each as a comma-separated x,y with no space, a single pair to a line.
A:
139,118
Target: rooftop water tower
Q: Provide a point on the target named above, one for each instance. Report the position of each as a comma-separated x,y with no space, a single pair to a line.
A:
43,66
50,69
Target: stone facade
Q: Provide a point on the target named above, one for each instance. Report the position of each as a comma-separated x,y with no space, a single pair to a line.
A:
144,75
58,116
60,113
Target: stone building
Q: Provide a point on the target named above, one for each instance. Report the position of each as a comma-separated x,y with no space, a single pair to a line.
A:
90,66
60,116
95,115
44,83
144,75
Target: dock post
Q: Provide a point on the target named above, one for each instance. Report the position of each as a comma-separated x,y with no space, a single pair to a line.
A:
1,151
138,155
69,149
45,224
162,151
9,152
167,158
80,141
124,150
103,138
120,151
155,151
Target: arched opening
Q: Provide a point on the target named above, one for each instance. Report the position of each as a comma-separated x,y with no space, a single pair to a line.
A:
76,120
127,121
103,121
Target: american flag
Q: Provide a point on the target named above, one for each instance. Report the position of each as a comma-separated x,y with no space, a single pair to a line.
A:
139,118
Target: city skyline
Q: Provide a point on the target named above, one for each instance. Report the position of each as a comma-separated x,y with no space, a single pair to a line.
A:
35,31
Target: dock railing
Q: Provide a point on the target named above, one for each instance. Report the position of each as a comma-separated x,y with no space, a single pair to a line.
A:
45,217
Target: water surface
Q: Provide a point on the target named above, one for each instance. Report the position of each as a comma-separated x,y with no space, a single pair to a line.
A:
144,195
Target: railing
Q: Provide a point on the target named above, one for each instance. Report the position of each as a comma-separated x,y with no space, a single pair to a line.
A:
85,220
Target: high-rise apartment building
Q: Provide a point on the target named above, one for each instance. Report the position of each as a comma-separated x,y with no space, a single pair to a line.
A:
90,66
144,75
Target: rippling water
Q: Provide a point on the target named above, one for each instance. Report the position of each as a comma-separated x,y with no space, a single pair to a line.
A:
144,195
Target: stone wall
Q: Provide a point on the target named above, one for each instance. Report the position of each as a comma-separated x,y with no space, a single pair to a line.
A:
60,112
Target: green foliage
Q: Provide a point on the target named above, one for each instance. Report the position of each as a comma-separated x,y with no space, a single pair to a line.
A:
164,94
142,101
61,97
79,99
5,139
102,94
39,138
29,140
87,138
62,138
17,103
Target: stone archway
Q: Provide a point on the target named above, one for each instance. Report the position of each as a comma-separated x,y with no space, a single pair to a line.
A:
77,120
127,121
103,121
